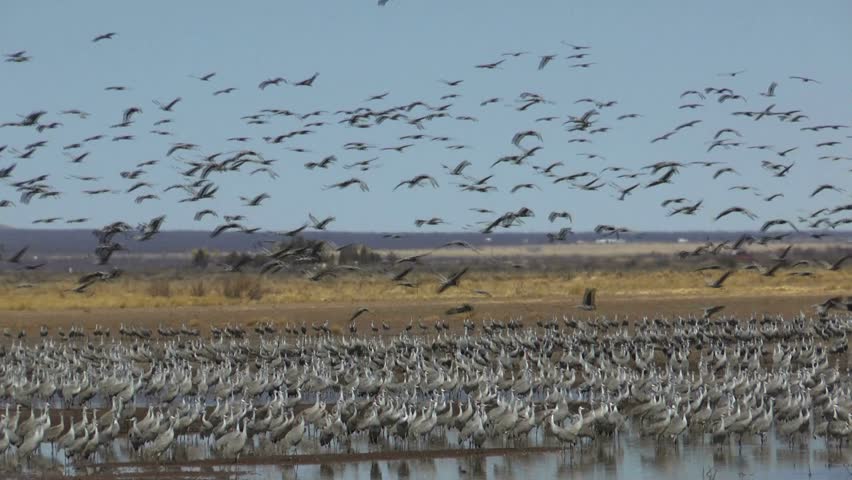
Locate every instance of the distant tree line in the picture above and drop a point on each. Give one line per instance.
(323, 253)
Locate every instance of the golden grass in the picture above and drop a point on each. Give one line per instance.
(138, 291)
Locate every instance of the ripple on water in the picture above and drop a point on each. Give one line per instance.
(628, 458)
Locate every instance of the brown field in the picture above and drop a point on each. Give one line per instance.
(632, 279)
(396, 313)
(180, 289)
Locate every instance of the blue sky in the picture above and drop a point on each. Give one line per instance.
(644, 57)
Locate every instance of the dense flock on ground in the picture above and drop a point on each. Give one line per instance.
(565, 381)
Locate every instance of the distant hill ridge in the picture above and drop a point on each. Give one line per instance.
(81, 241)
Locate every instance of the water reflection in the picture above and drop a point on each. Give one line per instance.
(628, 458)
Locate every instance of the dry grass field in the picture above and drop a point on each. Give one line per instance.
(395, 313)
(635, 279)
(505, 273)
(166, 290)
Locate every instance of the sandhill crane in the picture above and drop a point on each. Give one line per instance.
(162, 442)
(5, 443)
(54, 433)
(77, 444)
(717, 283)
(68, 438)
(451, 281)
(567, 435)
(731, 210)
(472, 430)
(418, 180)
(232, 444)
(709, 311)
(92, 445)
(30, 443)
(295, 435)
(763, 422)
(834, 266)
(588, 301)
(677, 426)
(720, 433)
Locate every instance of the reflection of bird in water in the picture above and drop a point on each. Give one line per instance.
(403, 470)
(375, 471)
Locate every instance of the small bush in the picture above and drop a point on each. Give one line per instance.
(255, 291)
(200, 259)
(242, 286)
(159, 288)
(197, 289)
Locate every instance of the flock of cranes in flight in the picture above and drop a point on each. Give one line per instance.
(201, 175)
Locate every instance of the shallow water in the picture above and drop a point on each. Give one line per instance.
(628, 458)
(597, 462)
